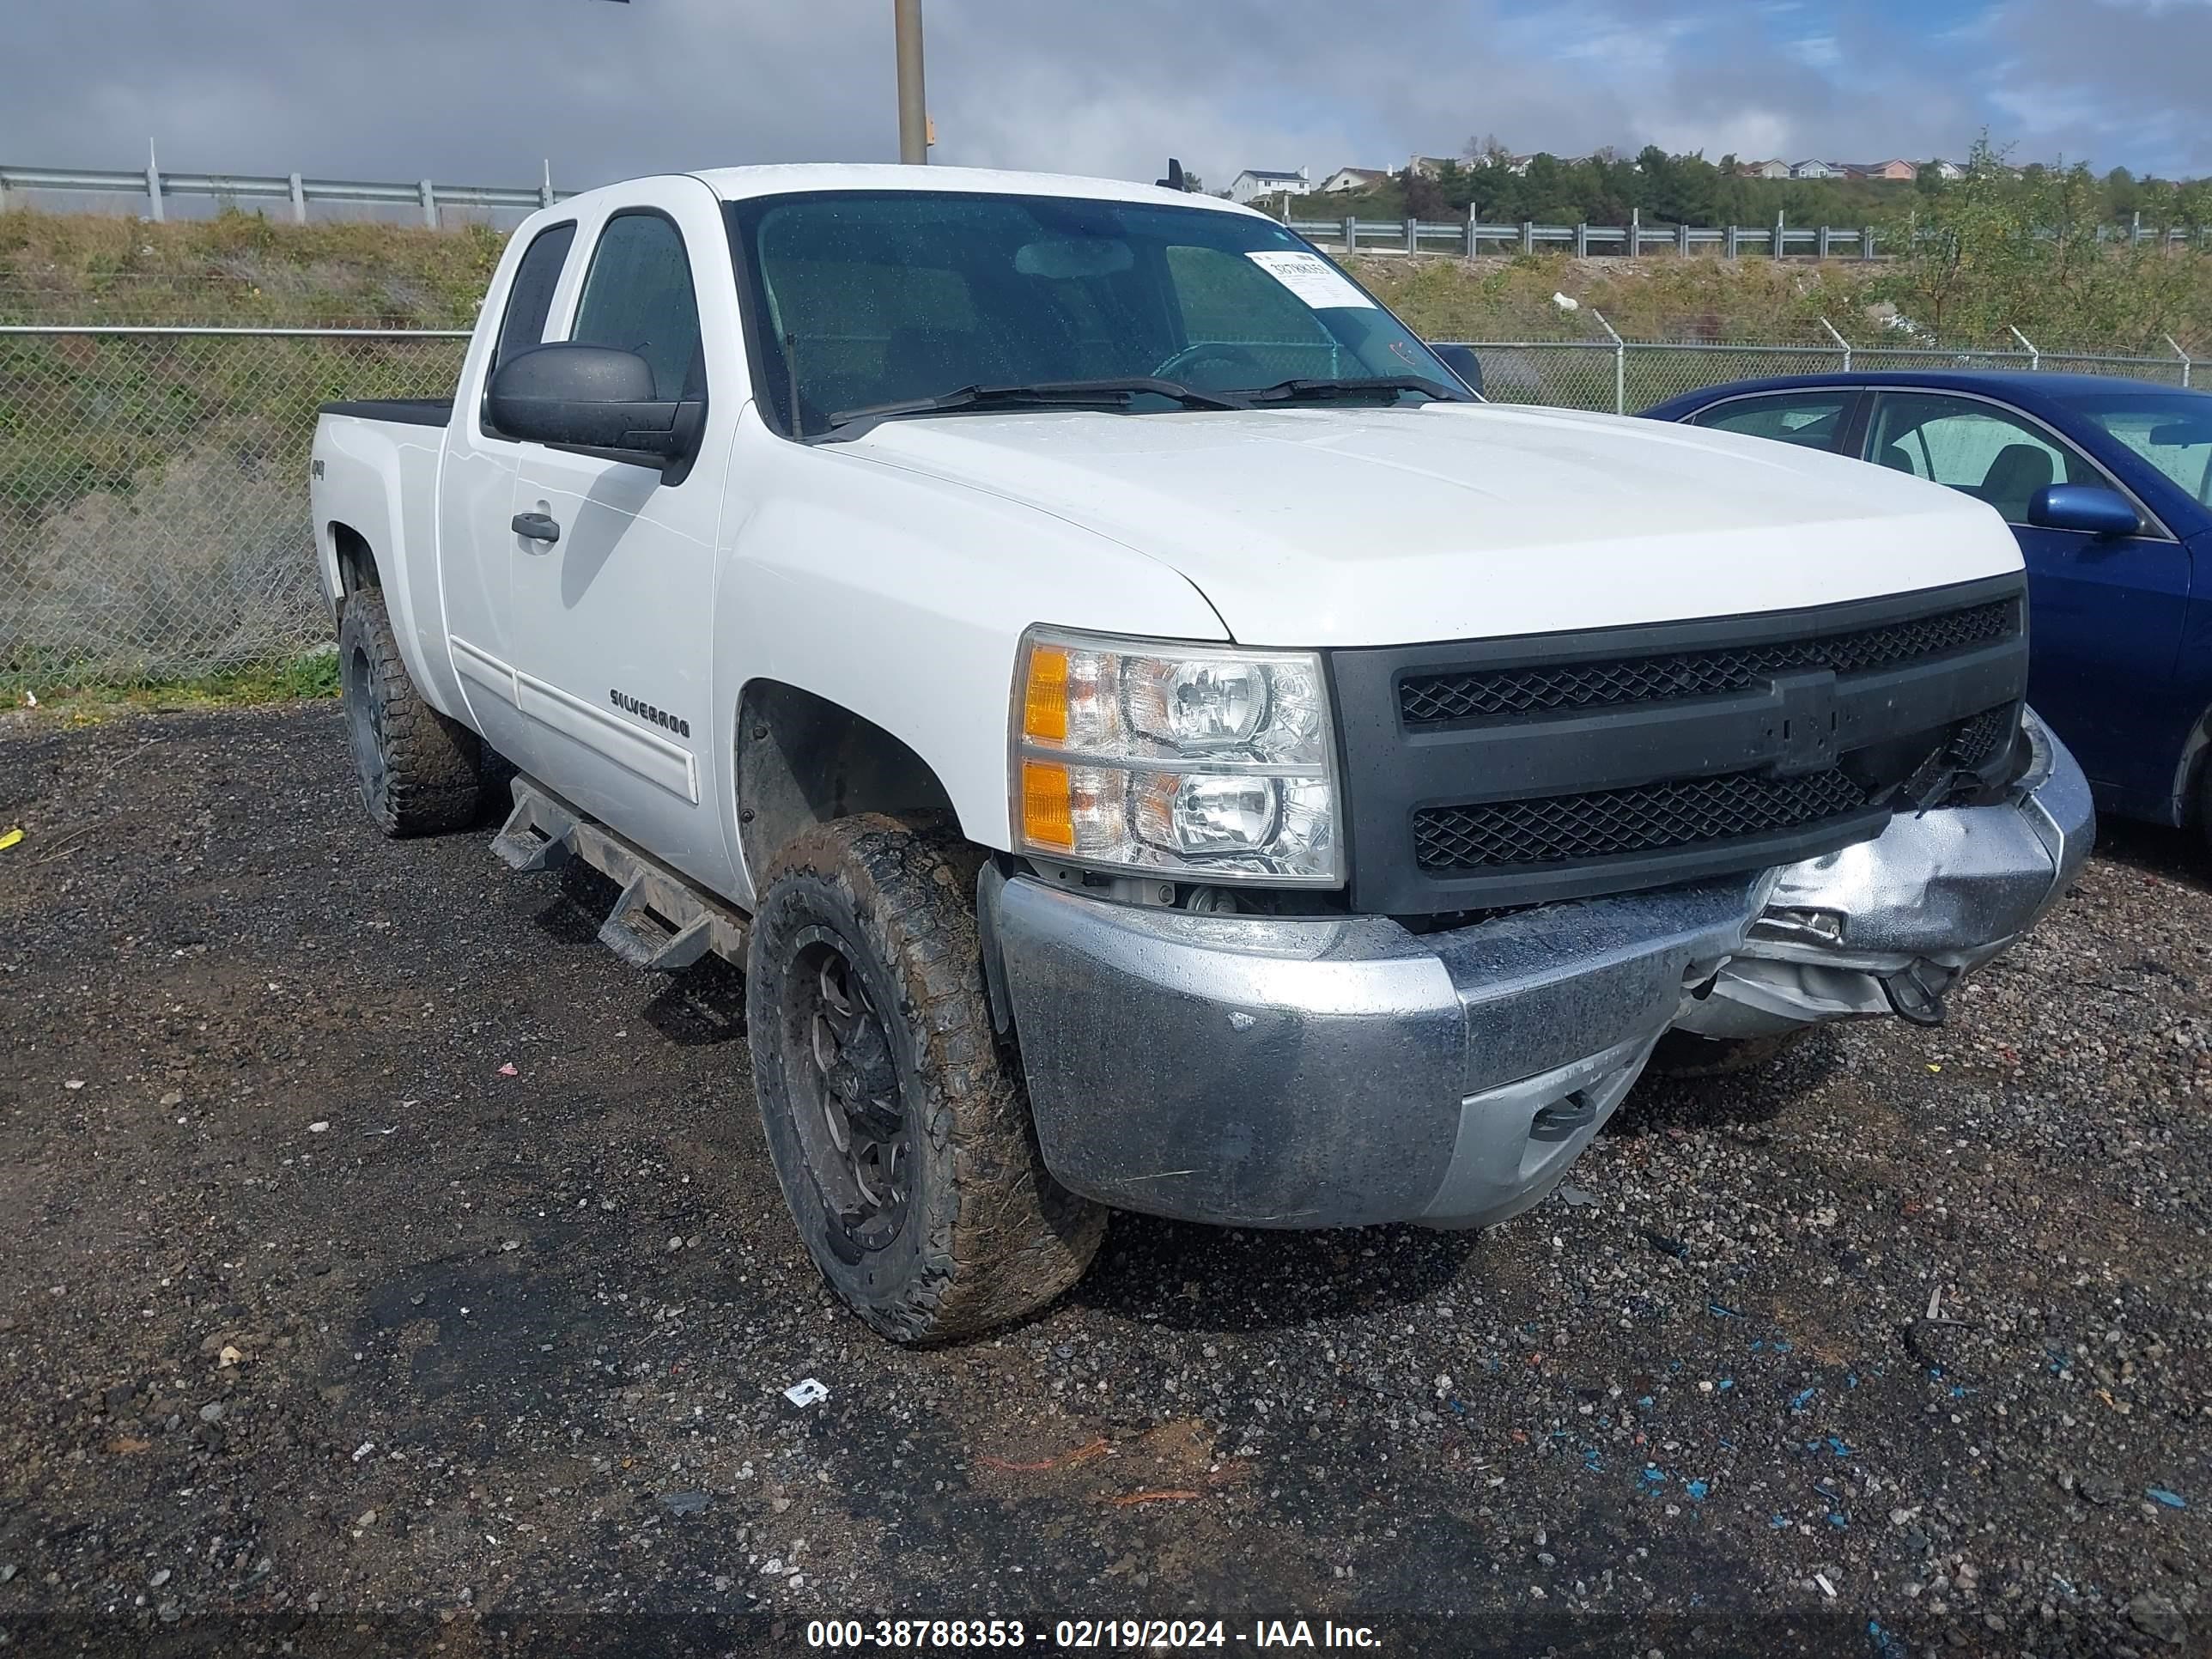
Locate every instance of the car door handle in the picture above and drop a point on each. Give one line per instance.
(537, 527)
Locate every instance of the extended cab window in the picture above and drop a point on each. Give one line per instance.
(1815, 420)
(863, 298)
(1979, 449)
(639, 297)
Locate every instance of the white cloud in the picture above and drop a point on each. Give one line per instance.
(481, 91)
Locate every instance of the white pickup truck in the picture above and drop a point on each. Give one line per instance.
(1151, 735)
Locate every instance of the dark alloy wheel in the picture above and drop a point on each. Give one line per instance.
(895, 1116)
(846, 1099)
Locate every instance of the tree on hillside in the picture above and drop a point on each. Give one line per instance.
(1989, 252)
(1426, 198)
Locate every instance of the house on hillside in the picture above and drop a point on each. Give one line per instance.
(1775, 169)
(1898, 171)
(1946, 170)
(1255, 182)
(1353, 178)
(1516, 165)
(1815, 170)
(1429, 167)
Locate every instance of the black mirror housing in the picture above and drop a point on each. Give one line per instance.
(2093, 509)
(1462, 362)
(592, 397)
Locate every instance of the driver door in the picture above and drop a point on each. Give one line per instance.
(615, 642)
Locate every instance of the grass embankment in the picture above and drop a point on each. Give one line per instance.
(241, 269)
(2123, 304)
(153, 517)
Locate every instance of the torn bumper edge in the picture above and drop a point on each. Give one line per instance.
(1337, 1072)
(1893, 924)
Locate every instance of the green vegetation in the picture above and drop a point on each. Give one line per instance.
(1605, 188)
(282, 679)
(1977, 257)
(241, 269)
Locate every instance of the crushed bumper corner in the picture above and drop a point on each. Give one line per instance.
(1892, 925)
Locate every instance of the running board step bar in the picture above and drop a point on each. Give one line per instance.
(661, 922)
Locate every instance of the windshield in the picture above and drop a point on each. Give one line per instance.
(865, 298)
(2171, 430)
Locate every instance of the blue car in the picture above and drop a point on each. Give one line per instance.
(2108, 485)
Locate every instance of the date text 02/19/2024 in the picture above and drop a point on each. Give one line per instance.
(1078, 1634)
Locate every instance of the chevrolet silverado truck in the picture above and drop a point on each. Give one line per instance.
(1152, 737)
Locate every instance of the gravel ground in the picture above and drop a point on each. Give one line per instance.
(386, 1267)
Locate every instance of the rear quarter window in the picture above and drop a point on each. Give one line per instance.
(1810, 420)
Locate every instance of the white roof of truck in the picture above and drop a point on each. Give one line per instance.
(737, 184)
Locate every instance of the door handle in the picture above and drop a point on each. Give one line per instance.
(537, 527)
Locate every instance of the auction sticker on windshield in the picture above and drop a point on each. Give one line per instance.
(1313, 279)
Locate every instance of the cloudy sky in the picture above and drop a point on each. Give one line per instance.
(479, 90)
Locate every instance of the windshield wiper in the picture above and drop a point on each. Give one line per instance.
(1118, 393)
(1372, 386)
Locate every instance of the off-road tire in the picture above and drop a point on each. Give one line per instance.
(1686, 1055)
(420, 774)
(986, 1236)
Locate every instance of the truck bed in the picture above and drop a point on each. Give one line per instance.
(406, 411)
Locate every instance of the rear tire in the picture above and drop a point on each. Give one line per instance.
(1686, 1055)
(897, 1121)
(420, 773)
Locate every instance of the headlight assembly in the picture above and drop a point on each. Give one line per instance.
(1207, 762)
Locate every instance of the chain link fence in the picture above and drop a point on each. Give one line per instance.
(1628, 376)
(154, 494)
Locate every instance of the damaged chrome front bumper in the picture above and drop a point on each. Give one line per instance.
(1337, 1072)
(1891, 924)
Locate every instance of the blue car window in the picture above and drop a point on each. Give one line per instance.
(2171, 430)
(1813, 420)
(1974, 447)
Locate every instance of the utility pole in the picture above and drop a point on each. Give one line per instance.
(913, 107)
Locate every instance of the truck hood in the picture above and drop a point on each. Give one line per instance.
(1385, 526)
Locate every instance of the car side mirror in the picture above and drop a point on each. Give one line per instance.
(1462, 362)
(2091, 508)
(592, 397)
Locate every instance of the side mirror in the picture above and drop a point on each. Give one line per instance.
(1462, 362)
(2090, 508)
(590, 397)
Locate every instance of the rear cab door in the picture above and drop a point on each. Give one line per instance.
(476, 542)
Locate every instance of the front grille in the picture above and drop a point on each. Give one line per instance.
(1976, 743)
(1435, 699)
(1484, 774)
(1612, 821)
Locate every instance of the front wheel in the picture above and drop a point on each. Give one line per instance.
(897, 1123)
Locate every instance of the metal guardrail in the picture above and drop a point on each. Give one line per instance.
(157, 186)
(153, 480)
(1467, 236)
(1471, 236)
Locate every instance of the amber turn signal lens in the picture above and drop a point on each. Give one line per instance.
(1044, 702)
(1047, 804)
